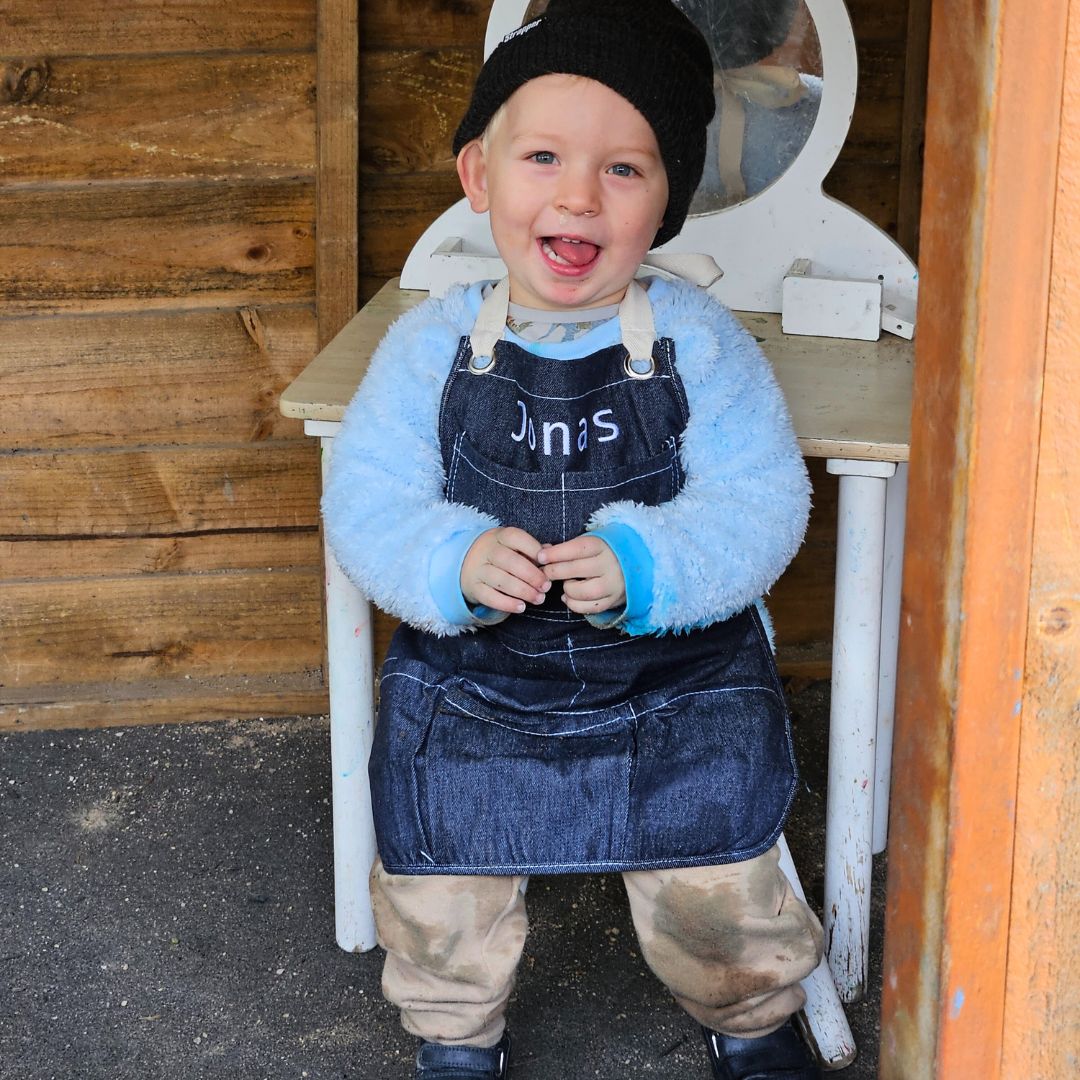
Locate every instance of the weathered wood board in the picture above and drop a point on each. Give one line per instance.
(93, 28)
(176, 245)
(131, 379)
(159, 491)
(160, 625)
(423, 24)
(414, 100)
(159, 701)
(269, 549)
(158, 117)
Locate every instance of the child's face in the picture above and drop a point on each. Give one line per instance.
(572, 176)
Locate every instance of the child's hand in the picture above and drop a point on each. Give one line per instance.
(593, 580)
(500, 571)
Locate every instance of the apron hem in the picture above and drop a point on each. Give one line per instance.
(611, 866)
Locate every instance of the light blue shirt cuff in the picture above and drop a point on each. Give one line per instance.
(444, 581)
(636, 563)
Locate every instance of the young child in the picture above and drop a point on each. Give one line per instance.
(573, 489)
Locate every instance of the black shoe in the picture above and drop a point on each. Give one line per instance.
(781, 1055)
(437, 1062)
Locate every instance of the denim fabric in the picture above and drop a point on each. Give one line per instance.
(545, 744)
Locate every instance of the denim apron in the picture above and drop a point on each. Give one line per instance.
(545, 744)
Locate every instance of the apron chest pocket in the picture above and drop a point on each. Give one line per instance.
(555, 505)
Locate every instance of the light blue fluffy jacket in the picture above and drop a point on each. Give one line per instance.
(716, 547)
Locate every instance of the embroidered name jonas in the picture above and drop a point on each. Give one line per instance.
(555, 435)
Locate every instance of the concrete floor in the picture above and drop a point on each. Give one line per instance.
(167, 915)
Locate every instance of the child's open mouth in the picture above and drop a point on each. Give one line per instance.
(569, 253)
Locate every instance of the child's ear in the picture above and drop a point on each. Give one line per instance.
(472, 171)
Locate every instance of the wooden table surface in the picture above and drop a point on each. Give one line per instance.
(848, 399)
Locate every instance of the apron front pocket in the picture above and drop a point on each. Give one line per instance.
(714, 775)
(497, 796)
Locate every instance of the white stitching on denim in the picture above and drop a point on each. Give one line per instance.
(572, 397)
(535, 734)
(406, 675)
(581, 648)
(553, 490)
(554, 618)
(457, 455)
(562, 487)
(721, 690)
(573, 668)
(614, 865)
(552, 712)
(668, 348)
(585, 712)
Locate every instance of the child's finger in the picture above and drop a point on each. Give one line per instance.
(492, 598)
(510, 585)
(591, 607)
(520, 567)
(588, 589)
(590, 567)
(580, 547)
(519, 540)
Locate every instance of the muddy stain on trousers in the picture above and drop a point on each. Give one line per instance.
(730, 942)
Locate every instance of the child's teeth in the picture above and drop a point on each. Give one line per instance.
(552, 254)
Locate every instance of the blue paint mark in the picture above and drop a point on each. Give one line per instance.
(957, 1003)
(1016, 708)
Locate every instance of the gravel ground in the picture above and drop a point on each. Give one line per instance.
(167, 915)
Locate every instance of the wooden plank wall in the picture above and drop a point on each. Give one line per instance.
(159, 549)
(419, 60)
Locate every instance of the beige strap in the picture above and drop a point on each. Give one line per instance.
(638, 331)
(730, 137)
(635, 313)
(769, 85)
(697, 269)
(489, 328)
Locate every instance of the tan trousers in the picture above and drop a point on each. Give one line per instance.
(730, 942)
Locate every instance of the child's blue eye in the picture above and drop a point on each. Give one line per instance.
(623, 170)
(543, 157)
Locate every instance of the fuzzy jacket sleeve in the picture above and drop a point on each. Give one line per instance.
(384, 509)
(722, 542)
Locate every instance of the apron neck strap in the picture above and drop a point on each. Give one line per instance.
(638, 332)
(489, 328)
(635, 321)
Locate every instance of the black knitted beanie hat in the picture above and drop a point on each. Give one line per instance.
(647, 51)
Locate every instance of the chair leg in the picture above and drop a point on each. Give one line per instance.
(829, 1032)
(352, 728)
(895, 510)
(849, 824)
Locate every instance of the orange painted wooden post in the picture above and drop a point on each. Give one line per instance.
(992, 130)
(1042, 989)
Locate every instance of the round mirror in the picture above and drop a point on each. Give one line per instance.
(767, 77)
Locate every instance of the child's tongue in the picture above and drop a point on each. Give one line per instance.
(577, 254)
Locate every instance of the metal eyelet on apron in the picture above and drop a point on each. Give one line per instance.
(642, 368)
(481, 365)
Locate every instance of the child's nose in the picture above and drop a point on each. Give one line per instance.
(577, 194)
